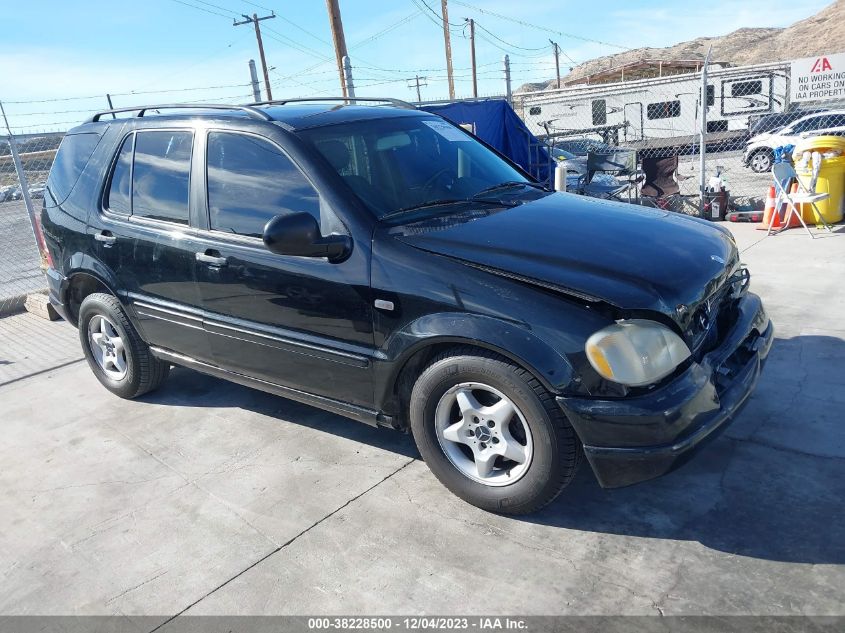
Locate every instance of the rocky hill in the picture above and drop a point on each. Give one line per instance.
(816, 35)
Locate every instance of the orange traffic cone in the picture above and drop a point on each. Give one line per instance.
(799, 209)
(768, 210)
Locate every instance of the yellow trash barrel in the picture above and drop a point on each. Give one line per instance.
(831, 179)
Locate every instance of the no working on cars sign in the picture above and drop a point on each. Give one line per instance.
(818, 78)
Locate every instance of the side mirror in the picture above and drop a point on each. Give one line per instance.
(298, 234)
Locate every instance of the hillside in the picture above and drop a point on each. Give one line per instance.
(816, 35)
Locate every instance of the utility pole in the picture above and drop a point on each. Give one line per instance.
(339, 40)
(253, 78)
(417, 85)
(347, 76)
(255, 20)
(448, 40)
(508, 93)
(472, 56)
(557, 61)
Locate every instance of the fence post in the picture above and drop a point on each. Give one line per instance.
(508, 93)
(347, 74)
(702, 148)
(253, 78)
(24, 184)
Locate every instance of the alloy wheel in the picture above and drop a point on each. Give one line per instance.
(760, 162)
(484, 434)
(107, 347)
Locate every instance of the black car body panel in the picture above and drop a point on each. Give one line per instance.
(531, 278)
(556, 240)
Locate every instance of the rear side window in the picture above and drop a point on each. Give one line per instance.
(161, 175)
(250, 180)
(72, 156)
(120, 191)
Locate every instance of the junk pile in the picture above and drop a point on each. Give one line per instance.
(820, 168)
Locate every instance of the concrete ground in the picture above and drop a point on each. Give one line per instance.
(210, 498)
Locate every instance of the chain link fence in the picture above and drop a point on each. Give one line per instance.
(659, 133)
(20, 261)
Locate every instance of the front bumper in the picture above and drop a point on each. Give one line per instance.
(630, 440)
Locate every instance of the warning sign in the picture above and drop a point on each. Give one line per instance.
(818, 78)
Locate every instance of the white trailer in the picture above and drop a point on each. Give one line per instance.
(635, 112)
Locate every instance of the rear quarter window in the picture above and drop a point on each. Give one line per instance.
(71, 158)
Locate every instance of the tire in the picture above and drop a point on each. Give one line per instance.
(761, 161)
(121, 361)
(548, 446)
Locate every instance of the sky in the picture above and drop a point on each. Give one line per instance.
(59, 58)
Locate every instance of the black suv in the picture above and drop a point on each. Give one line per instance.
(384, 264)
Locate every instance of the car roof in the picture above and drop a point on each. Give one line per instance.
(302, 116)
(296, 115)
(821, 113)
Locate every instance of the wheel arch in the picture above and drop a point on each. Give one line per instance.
(407, 353)
(83, 281)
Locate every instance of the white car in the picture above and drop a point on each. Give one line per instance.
(759, 152)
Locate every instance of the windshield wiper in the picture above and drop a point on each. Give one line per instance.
(436, 203)
(509, 184)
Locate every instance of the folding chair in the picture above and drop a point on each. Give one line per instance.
(621, 163)
(661, 186)
(784, 175)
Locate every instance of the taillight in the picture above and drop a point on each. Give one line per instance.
(46, 258)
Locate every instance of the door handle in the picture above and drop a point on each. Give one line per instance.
(105, 236)
(212, 257)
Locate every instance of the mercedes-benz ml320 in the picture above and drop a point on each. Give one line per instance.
(384, 264)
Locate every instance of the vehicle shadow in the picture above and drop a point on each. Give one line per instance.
(771, 487)
(188, 388)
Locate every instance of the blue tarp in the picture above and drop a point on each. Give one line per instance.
(495, 123)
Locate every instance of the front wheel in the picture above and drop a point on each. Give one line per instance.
(761, 161)
(491, 433)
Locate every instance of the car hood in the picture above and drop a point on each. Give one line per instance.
(631, 257)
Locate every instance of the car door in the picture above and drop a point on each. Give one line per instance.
(143, 237)
(301, 322)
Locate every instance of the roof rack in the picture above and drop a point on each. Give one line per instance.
(396, 102)
(252, 112)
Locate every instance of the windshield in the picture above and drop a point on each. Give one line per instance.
(407, 163)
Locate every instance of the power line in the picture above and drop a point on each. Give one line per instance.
(511, 52)
(127, 94)
(216, 6)
(304, 30)
(193, 6)
(255, 4)
(386, 30)
(541, 28)
(359, 44)
(523, 48)
(438, 17)
(284, 39)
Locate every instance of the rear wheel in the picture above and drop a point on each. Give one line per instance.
(761, 161)
(491, 433)
(121, 361)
